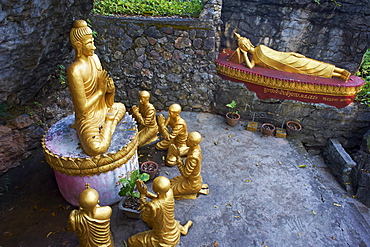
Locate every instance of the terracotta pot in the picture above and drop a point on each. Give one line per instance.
(267, 129)
(149, 167)
(232, 118)
(292, 128)
(131, 213)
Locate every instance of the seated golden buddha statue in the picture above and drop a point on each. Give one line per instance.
(91, 222)
(177, 135)
(266, 57)
(159, 214)
(146, 116)
(189, 184)
(92, 90)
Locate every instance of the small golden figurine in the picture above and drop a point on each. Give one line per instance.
(266, 57)
(177, 136)
(159, 215)
(145, 114)
(92, 90)
(91, 222)
(189, 184)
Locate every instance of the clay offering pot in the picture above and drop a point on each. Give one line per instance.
(149, 167)
(267, 129)
(232, 118)
(292, 128)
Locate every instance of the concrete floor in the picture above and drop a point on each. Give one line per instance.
(258, 197)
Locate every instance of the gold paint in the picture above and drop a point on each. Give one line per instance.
(91, 222)
(159, 214)
(92, 90)
(189, 184)
(145, 115)
(291, 85)
(266, 57)
(91, 166)
(177, 136)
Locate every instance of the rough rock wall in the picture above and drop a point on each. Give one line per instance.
(173, 58)
(33, 41)
(335, 34)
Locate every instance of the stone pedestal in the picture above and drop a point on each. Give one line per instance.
(73, 168)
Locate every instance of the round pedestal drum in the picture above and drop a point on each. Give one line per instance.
(73, 168)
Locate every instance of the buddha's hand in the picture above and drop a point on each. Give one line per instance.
(110, 85)
(103, 81)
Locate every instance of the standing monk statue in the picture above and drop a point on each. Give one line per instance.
(92, 90)
(177, 136)
(266, 57)
(159, 214)
(145, 114)
(91, 222)
(189, 184)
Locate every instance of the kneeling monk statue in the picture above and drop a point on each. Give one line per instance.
(145, 114)
(91, 222)
(266, 57)
(189, 184)
(159, 214)
(92, 90)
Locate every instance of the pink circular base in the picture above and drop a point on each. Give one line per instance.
(106, 183)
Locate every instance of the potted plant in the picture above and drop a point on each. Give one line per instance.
(267, 129)
(293, 127)
(130, 203)
(232, 117)
(149, 167)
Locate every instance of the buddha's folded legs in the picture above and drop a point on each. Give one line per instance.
(96, 140)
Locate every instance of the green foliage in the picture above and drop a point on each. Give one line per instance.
(232, 106)
(128, 185)
(189, 8)
(334, 1)
(94, 33)
(61, 72)
(37, 103)
(363, 97)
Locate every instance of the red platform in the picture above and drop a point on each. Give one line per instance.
(268, 83)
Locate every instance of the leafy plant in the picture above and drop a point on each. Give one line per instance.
(363, 97)
(335, 1)
(128, 185)
(61, 71)
(232, 106)
(190, 8)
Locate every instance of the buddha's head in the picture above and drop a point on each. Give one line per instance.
(244, 43)
(144, 97)
(88, 198)
(81, 38)
(194, 138)
(161, 185)
(174, 110)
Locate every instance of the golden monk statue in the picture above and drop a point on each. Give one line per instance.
(159, 214)
(91, 222)
(189, 184)
(145, 114)
(96, 114)
(177, 136)
(266, 57)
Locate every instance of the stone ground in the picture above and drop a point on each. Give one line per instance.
(258, 197)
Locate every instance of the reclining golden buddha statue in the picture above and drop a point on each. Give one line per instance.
(266, 57)
(92, 90)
